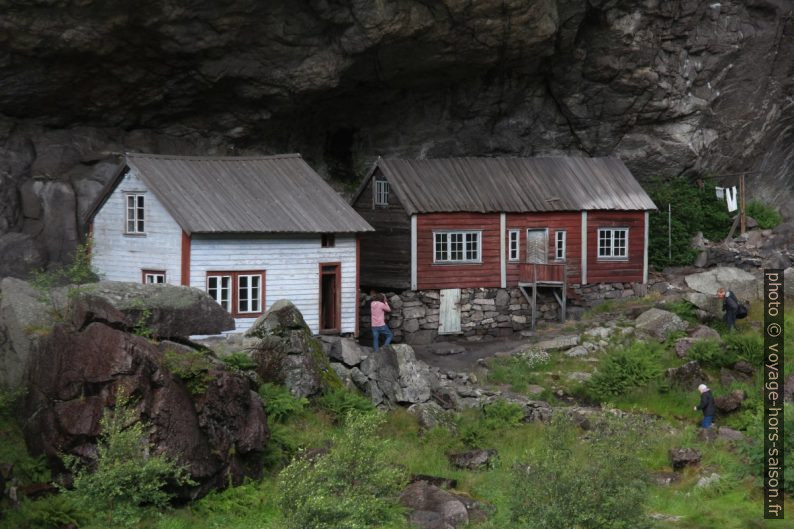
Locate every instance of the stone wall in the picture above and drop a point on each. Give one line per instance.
(486, 313)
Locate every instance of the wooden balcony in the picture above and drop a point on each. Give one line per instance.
(548, 274)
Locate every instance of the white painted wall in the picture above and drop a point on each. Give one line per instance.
(292, 267)
(120, 257)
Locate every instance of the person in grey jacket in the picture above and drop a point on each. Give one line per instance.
(730, 304)
(708, 406)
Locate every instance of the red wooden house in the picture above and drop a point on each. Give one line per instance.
(502, 223)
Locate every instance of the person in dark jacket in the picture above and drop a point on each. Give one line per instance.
(707, 405)
(730, 304)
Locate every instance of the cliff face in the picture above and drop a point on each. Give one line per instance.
(670, 86)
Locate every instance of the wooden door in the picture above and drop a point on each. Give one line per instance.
(330, 286)
(449, 313)
(537, 246)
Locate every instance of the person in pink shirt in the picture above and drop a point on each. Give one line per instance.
(378, 308)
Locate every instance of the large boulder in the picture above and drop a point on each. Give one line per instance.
(688, 376)
(431, 507)
(202, 414)
(164, 310)
(285, 351)
(683, 457)
(744, 284)
(397, 377)
(19, 254)
(659, 323)
(24, 319)
(730, 402)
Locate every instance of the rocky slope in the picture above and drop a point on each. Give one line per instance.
(669, 86)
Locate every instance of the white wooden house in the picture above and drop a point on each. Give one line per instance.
(247, 230)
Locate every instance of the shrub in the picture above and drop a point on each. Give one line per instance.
(352, 486)
(340, 402)
(239, 360)
(501, 413)
(711, 353)
(694, 209)
(748, 347)
(598, 483)
(50, 512)
(192, 366)
(475, 427)
(280, 403)
(625, 368)
(533, 357)
(767, 216)
(128, 475)
(754, 451)
(684, 309)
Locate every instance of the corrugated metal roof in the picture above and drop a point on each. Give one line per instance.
(514, 184)
(246, 194)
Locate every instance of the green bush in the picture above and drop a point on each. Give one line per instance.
(754, 451)
(625, 368)
(352, 486)
(598, 483)
(694, 209)
(766, 216)
(711, 353)
(280, 403)
(501, 414)
(684, 309)
(50, 512)
(340, 402)
(192, 366)
(239, 360)
(748, 347)
(128, 476)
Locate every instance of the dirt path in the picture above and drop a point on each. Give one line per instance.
(473, 351)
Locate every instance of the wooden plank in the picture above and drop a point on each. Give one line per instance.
(584, 235)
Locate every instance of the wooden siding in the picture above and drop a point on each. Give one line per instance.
(437, 276)
(611, 271)
(120, 257)
(292, 270)
(569, 221)
(386, 252)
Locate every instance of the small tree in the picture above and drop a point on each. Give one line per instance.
(127, 476)
(596, 483)
(353, 486)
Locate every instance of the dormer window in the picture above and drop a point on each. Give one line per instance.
(134, 218)
(381, 192)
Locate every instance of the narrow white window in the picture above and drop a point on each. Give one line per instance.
(560, 242)
(153, 277)
(219, 289)
(381, 193)
(613, 243)
(513, 238)
(457, 247)
(134, 217)
(249, 298)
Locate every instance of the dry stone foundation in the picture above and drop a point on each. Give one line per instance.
(485, 313)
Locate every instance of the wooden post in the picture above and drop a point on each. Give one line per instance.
(534, 293)
(742, 214)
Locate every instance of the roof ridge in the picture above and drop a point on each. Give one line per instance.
(212, 158)
(554, 157)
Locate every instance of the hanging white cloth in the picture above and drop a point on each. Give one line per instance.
(720, 192)
(731, 199)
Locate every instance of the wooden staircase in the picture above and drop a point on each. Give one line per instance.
(544, 275)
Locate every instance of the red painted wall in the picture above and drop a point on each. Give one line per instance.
(569, 221)
(603, 271)
(432, 276)
(487, 274)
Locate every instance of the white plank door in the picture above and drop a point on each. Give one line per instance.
(449, 314)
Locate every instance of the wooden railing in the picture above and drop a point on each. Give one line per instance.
(551, 272)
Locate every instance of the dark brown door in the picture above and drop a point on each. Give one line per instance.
(330, 286)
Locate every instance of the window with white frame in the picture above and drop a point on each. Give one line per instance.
(513, 238)
(456, 247)
(219, 289)
(134, 217)
(154, 277)
(381, 190)
(560, 238)
(613, 243)
(240, 293)
(248, 293)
